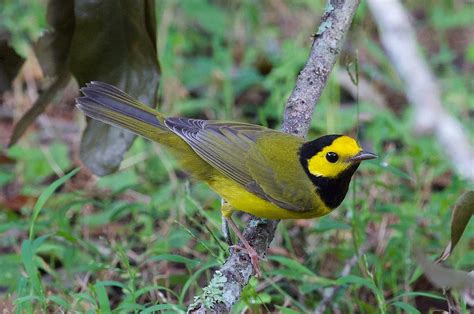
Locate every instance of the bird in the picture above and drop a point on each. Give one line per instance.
(257, 170)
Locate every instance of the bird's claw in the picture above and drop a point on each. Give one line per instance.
(254, 257)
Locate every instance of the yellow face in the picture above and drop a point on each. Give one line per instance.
(334, 158)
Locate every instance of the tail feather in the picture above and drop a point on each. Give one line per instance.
(110, 105)
(114, 92)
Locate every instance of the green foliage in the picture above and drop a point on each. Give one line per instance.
(45, 195)
(30, 247)
(35, 163)
(24, 20)
(145, 239)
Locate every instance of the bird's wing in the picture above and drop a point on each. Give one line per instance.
(252, 156)
(276, 166)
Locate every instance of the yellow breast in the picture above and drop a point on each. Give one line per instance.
(243, 200)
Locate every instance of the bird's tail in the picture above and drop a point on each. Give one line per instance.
(109, 104)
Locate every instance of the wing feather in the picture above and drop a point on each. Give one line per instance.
(251, 155)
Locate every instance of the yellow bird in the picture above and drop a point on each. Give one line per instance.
(264, 172)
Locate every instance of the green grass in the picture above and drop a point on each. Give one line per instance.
(146, 239)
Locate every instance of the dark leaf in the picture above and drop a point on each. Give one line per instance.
(462, 213)
(114, 42)
(10, 63)
(52, 49)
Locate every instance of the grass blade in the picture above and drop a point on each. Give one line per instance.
(45, 196)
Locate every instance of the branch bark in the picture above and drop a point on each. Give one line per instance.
(310, 84)
(399, 40)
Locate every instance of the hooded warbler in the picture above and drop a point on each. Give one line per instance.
(264, 172)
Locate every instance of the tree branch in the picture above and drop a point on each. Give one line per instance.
(399, 40)
(310, 84)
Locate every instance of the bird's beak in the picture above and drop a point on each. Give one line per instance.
(363, 155)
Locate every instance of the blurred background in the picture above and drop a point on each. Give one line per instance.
(146, 235)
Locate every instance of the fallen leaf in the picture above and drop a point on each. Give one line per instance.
(121, 52)
(5, 160)
(17, 202)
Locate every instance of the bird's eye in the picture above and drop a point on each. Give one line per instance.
(332, 157)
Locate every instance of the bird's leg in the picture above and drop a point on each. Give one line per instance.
(254, 257)
(225, 225)
(227, 210)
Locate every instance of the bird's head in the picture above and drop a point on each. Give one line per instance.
(330, 161)
(331, 155)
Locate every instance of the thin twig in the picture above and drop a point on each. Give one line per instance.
(310, 84)
(452, 305)
(422, 90)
